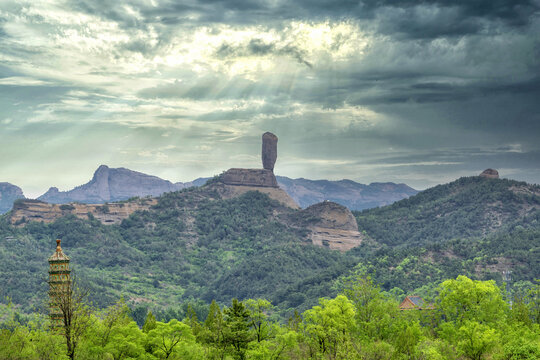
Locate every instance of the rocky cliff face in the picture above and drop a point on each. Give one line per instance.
(8, 194)
(331, 225)
(112, 185)
(28, 210)
(249, 177)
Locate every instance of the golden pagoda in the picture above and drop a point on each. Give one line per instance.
(59, 283)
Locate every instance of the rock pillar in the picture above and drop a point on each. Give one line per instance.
(269, 150)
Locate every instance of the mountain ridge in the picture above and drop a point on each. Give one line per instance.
(118, 184)
(467, 207)
(305, 192)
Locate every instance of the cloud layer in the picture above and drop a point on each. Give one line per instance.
(411, 91)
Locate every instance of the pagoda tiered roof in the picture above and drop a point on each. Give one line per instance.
(58, 254)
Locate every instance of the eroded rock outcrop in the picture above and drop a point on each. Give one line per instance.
(236, 181)
(269, 150)
(332, 225)
(249, 177)
(490, 174)
(28, 210)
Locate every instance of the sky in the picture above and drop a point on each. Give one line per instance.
(415, 92)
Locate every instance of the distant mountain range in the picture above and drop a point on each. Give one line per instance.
(116, 184)
(112, 185)
(348, 193)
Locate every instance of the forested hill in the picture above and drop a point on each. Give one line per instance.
(193, 246)
(468, 207)
(190, 246)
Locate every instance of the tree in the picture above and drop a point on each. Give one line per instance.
(212, 331)
(113, 317)
(373, 311)
(72, 303)
(472, 312)
(192, 320)
(149, 323)
(464, 299)
(257, 319)
(126, 342)
(476, 339)
(329, 326)
(236, 331)
(166, 338)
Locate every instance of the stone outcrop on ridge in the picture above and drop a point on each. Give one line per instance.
(331, 225)
(236, 181)
(26, 210)
(490, 174)
(249, 177)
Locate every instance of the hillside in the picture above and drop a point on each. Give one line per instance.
(194, 245)
(468, 207)
(189, 245)
(8, 194)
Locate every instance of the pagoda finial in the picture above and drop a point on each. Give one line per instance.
(58, 248)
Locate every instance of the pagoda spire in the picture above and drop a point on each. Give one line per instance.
(59, 283)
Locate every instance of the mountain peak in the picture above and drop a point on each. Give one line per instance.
(8, 194)
(112, 184)
(101, 168)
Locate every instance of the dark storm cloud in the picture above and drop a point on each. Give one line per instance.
(258, 47)
(412, 88)
(416, 19)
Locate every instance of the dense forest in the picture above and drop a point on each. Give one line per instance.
(468, 320)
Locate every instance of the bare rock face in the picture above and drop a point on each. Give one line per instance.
(332, 215)
(332, 225)
(249, 177)
(27, 210)
(490, 174)
(269, 150)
